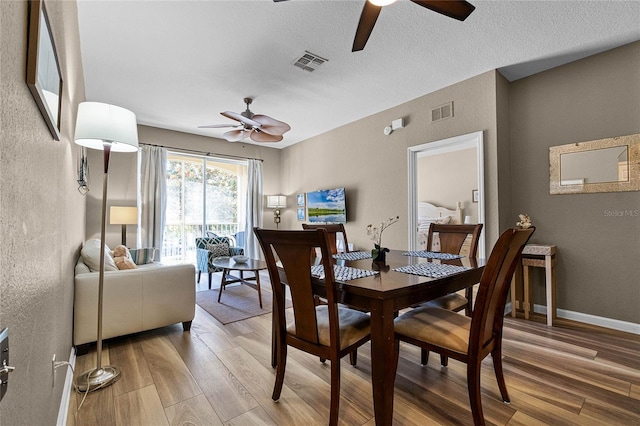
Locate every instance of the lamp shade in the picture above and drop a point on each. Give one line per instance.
(123, 215)
(98, 122)
(276, 201)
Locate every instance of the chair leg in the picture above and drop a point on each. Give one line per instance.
(473, 383)
(282, 363)
(335, 393)
(444, 360)
(199, 273)
(496, 355)
(323, 360)
(353, 357)
(209, 274)
(469, 307)
(424, 357)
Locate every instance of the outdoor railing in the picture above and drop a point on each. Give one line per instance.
(179, 242)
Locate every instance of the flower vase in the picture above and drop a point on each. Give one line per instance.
(379, 255)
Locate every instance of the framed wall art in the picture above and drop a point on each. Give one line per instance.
(43, 70)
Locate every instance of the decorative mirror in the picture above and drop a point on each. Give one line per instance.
(604, 165)
(43, 71)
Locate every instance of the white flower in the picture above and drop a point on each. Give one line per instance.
(375, 232)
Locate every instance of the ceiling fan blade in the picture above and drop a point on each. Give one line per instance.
(368, 19)
(218, 126)
(456, 9)
(258, 136)
(271, 125)
(235, 135)
(241, 118)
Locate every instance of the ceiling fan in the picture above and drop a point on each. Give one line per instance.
(258, 127)
(457, 9)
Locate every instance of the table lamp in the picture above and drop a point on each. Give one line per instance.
(107, 128)
(276, 202)
(119, 215)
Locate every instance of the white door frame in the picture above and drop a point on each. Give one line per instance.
(456, 143)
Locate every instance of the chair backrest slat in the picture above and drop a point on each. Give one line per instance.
(295, 251)
(488, 315)
(452, 237)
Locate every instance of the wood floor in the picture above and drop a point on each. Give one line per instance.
(221, 375)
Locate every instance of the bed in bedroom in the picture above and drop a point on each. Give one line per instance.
(428, 214)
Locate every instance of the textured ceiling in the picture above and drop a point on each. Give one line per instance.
(178, 64)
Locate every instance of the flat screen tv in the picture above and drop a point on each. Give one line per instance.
(327, 206)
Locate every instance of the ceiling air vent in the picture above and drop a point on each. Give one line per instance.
(441, 112)
(309, 61)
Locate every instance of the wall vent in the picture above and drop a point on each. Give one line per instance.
(309, 61)
(442, 112)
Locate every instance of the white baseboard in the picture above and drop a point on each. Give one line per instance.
(63, 411)
(628, 327)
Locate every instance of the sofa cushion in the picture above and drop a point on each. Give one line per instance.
(91, 255)
(142, 256)
(218, 250)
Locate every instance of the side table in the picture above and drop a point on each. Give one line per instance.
(252, 265)
(537, 256)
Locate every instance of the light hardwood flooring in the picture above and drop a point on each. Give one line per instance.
(221, 375)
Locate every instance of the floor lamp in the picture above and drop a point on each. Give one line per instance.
(107, 128)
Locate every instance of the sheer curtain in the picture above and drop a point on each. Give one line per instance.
(254, 209)
(152, 199)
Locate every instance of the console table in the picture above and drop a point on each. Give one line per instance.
(537, 256)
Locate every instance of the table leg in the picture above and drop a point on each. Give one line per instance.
(223, 282)
(550, 281)
(382, 357)
(526, 273)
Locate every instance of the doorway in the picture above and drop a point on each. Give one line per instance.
(448, 147)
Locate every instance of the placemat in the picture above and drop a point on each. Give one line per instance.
(432, 270)
(432, 255)
(353, 255)
(342, 273)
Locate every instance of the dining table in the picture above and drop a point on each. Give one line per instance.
(387, 292)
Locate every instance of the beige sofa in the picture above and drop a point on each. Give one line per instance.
(152, 296)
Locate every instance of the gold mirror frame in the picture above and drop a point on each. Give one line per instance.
(632, 184)
(43, 70)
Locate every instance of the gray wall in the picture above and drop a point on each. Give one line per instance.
(595, 98)
(41, 217)
(373, 167)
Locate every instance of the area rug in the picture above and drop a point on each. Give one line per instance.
(238, 302)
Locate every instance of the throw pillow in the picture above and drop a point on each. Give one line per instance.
(91, 255)
(218, 250)
(143, 256)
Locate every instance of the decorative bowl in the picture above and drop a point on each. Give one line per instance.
(239, 258)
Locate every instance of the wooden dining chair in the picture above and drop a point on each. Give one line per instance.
(452, 239)
(329, 331)
(333, 229)
(465, 339)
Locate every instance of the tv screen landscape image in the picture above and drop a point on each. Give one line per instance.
(327, 206)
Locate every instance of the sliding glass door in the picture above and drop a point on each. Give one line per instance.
(204, 195)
